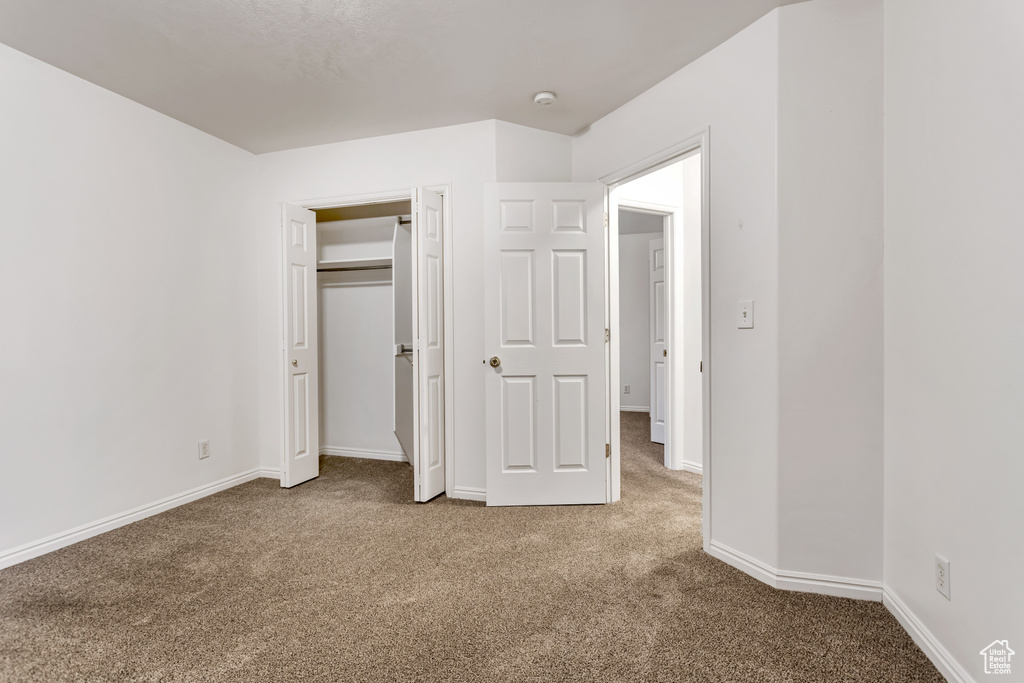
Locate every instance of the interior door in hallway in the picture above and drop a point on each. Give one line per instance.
(428, 378)
(544, 335)
(656, 270)
(301, 366)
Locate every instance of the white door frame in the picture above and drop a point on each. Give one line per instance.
(384, 197)
(698, 143)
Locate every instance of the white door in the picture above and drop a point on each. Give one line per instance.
(428, 379)
(544, 334)
(656, 270)
(301, 372)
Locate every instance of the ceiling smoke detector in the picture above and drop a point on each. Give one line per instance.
(544, 98)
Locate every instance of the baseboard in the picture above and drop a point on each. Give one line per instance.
(690, 467)
(393, 456)
(269, 473)
(468, 493)
(929, 644)
(746, 564)
(837, 586)
(635, 409)
(80, 533)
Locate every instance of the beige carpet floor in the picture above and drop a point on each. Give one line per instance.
(344, 579)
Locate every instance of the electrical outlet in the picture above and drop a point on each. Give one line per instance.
(625, 389)
(204, 449)
(942, 575)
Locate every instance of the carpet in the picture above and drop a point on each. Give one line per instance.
(344, 578)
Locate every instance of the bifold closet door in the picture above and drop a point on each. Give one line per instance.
(301, 368)
(402, 290)
(428, 459)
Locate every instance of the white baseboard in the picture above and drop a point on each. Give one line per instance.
(269, 473)
(849, 588)
(394, 456)
(689, 467)
(80, 533)
(929, 644)
(635, 409)
(468, 493)
(837, 586)
(746, 564)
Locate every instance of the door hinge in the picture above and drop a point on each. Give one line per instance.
(607, 335)
(607, 450)
(606, 220)
(702, 366)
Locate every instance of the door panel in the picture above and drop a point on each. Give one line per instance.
(428, 456)
(656, 269)
(302, 421)
(544, 322)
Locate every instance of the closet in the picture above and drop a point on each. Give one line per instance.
(365, 330)
(363, 335)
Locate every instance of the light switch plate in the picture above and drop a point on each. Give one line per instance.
(745, 314)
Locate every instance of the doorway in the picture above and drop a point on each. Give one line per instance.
(642, 324)
(365, 292)
(659, 213)
(673, 185)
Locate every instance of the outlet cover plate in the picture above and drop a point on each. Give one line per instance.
(204, 449)
(942, 575)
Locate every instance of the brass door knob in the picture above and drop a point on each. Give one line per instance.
(295, 363)
(495, 361)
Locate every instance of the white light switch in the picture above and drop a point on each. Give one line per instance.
(745, 315)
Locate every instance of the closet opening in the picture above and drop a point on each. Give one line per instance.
(364, 326)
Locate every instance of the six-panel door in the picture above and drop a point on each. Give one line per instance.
(545, 324)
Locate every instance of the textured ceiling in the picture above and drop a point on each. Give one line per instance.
(276, 74)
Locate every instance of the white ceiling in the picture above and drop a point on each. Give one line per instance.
(277, 74)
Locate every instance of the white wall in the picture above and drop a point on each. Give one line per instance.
(794, 109)
(127, 280)
(355, 238)
(635, 318)
(830, 288)
(524, 154)
(954, 319)
(732, 89)
(357, 366)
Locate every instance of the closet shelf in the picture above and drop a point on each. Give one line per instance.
(354, 264)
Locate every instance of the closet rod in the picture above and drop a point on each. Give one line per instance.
(332, 270)
(402, 221)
